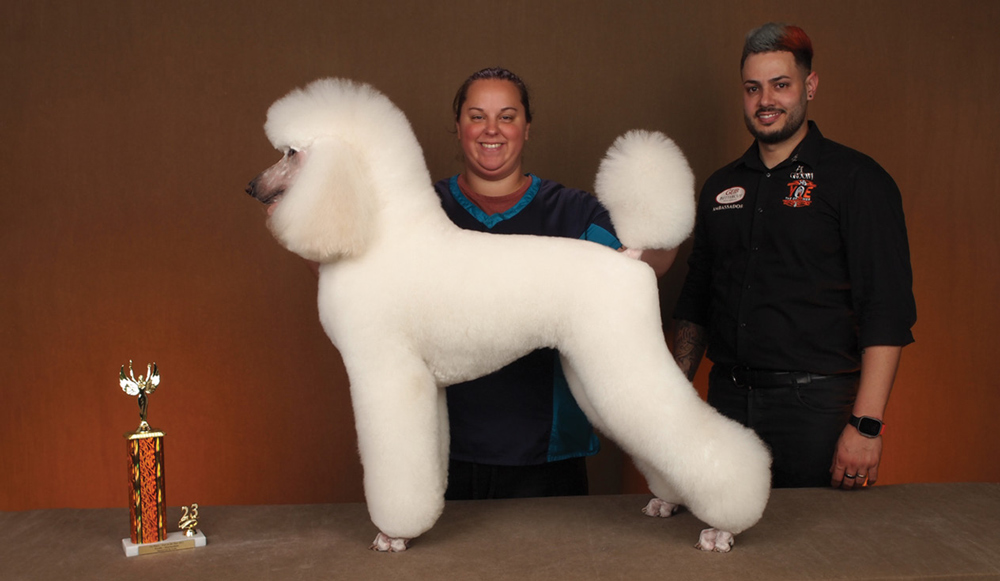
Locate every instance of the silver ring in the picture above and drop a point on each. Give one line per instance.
(862, 475)
(846, 475)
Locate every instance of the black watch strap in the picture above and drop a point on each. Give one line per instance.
(869, 427)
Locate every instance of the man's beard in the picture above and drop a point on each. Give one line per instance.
(793, 121)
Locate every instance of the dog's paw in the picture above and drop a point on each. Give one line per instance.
(660, 508)
(715, 540)
(383, 543)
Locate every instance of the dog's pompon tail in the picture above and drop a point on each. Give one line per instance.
(647, 186)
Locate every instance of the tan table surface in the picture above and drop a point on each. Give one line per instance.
(911, 531)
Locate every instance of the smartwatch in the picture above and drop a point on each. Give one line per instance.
(868, 427)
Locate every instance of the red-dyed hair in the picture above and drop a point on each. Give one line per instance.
(773, 37)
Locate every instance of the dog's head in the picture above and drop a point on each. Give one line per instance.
(333, 134)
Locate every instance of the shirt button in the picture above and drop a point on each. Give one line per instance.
(760, 210)
(768, 174)
(743, 325)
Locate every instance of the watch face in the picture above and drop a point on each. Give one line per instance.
(869, 426)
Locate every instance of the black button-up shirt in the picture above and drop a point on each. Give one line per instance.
(801, 266)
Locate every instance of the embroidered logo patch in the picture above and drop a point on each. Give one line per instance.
(799, 193)
(730, 196)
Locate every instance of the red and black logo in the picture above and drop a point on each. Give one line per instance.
(799, 193)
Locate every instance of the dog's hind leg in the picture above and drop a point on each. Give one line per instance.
(689, 452)
(397, 413)
(657, 507)
(667, 501)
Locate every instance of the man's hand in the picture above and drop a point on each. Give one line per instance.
(856, 460)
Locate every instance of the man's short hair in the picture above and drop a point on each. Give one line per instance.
(775, 36)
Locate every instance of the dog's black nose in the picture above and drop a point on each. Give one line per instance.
(252, 188)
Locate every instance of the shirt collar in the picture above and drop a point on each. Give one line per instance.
(806, 153)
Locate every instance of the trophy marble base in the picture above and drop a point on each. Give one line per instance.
(176, 541)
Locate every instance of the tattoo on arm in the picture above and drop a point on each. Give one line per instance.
(690, 341)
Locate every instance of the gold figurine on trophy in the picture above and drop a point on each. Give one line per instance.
(142, 387)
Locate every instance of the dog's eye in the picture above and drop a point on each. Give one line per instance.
(291, 153)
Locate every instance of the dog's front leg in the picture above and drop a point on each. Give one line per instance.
(715, 540)
(386, 544)
(396, 412)
(383, 542)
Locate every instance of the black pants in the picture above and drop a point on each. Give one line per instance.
(471, 481)
(799, 423)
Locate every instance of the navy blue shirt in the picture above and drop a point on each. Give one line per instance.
(524, 414)
(801, 266)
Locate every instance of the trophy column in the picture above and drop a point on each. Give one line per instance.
(146, 487)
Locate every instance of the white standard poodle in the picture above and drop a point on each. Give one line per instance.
(414, 303)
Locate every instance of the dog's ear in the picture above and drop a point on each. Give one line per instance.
(329, 212)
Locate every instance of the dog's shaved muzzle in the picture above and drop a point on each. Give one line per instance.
(261, 194)
(272, 182)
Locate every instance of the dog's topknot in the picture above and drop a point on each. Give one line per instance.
(322, 107)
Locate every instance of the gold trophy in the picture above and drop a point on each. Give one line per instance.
(146, 488)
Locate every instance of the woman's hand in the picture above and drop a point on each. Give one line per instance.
(658, 259)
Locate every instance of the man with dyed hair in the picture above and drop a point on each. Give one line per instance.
(799, 284)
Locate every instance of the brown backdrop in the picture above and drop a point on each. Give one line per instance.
(129, 130)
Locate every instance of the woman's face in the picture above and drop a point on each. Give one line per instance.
(492, 129)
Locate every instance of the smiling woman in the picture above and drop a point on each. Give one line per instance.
(492, 123)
